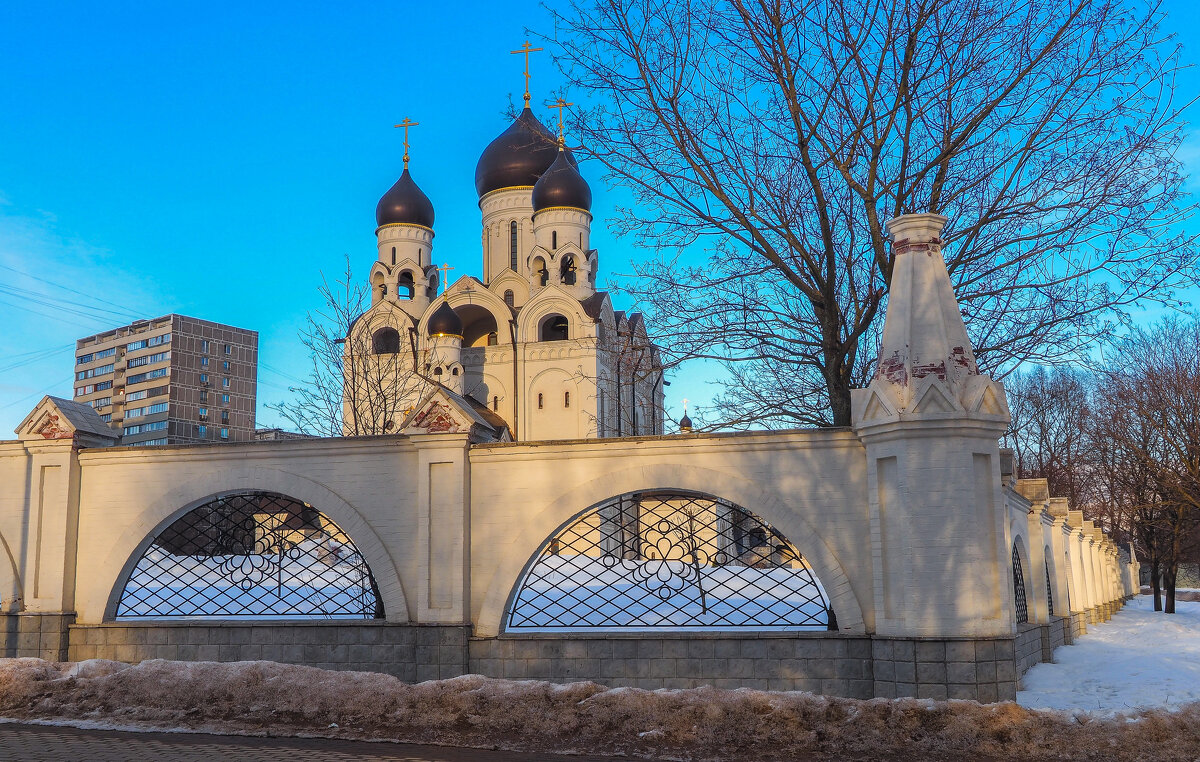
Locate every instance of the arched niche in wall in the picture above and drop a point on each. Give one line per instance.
(554, 327)
(385, 341)
(479, 325)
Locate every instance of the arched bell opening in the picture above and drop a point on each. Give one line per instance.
(385, 341)
(540, 272)
(251, 555)
(554, 327)
(406, 286)
(478, 325)
(667, 560)
(566, 271)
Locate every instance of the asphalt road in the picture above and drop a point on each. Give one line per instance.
(42, 743)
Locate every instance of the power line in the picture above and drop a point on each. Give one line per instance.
(93, 297)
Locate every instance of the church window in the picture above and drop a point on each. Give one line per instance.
(493, 339)
(512, 245)
(437, 371)
(581, 240)
(566, 399)
(495, 403)
(553, 239)
(454, 371)
(510, 298)
(554, 328)
(393, 255)
(540, 400)
(385, 341)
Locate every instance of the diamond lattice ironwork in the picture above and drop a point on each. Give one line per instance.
(667, 560)
(251, 555)
(1019, 587)
(1049, 591)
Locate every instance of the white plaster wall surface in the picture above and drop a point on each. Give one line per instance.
(810, 485)
(365, 485)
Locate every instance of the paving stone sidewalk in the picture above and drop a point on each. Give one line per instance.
(42, 743)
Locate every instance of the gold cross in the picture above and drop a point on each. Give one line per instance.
(445, 270)
(560, 104)
(526, 49)
(685, 401)
(406, 124)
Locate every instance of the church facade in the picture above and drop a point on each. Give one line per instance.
(532, 347)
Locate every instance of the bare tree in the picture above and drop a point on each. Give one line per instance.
(1152, 392)
(779, 136)
(363, 379)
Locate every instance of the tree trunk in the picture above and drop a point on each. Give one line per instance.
(1155, 585)
(1169, 577)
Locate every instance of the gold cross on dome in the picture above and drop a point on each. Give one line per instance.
(560, 104)
(526, 49)
(406, 124)
(445, 271)
(685, 401)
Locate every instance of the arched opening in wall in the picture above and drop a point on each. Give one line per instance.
(406, 287)
(554, 328)
(1049, 586)
(385, 341)
(510, 298)
(393, 255)
(540, 272)
(553, 240)
(665, 560)
(378, 287)
(566, 271)
(1019, 586)
(251, 555)
(478, 324)
(512, 245)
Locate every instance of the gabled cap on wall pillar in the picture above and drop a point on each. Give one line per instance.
(927, 366)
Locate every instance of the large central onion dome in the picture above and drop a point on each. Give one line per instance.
(445, 322)
(562, 185)
(404, 204)
(518, 157)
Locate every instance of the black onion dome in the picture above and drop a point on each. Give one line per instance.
(685, 423)
(518, 157)
(562, 185)
(445, 321)
(404, 203)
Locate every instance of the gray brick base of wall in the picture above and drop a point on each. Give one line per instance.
(855, 666)
(410, 652)
(41, 636)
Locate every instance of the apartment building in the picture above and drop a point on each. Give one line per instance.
(171, 380)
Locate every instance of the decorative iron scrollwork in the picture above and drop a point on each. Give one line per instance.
(1019, 587)
(665, 560)
(251, 555)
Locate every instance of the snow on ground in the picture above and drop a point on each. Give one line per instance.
(1139, 658)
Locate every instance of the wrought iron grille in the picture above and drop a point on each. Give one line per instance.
(1049, 591)
(667, 560)
(251, 555)
(1019, 588)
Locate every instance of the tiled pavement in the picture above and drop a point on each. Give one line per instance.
(41, 743)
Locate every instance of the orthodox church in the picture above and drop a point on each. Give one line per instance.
(531, 350)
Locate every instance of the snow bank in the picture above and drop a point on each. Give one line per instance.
(1140, 658)
(697, 724)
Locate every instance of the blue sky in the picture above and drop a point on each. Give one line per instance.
(212, 159)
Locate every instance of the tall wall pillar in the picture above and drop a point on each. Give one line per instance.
(930, 423)
(443, 527)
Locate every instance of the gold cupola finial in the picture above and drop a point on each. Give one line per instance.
(445, 273)
(406, 124)
(526, 49)
(560, 104)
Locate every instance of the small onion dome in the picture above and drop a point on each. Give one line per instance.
(445, 322)
(405, 204)
(685, 424)
(518, 157)
(562, 185)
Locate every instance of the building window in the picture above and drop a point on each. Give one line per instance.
(139, 377)
(203, 413)
(225, 383)
(228, 349)
(203, 396)
(225, 365)
(138, 362)
(510, 298)
(82, 359)
(203, 362)
(393, 255)
(512, 245)
(224, 433)
(202, 431)
(540, 400)
(224, 416)
(224, 399)
(566, 399)
(204, 345)
(107, 417)
(204, 378)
